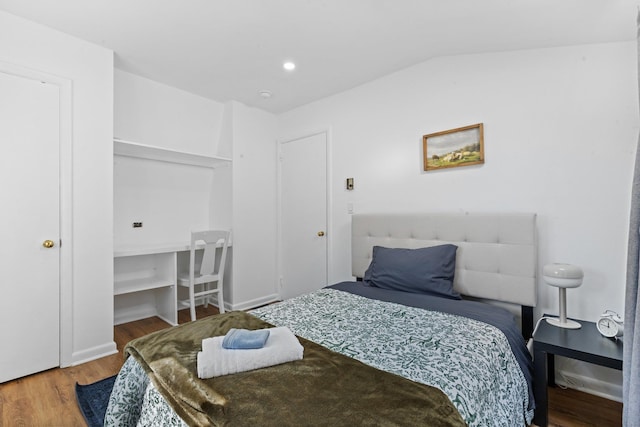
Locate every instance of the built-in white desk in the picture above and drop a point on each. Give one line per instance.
(159, 248)
(145, 276)
(145, 281)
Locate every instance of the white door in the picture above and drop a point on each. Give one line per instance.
(29, 221)
(303, 210)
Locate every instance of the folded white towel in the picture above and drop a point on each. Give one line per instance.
(213, 361)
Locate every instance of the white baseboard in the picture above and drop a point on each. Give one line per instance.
(589, 385)
(93, 353)
(133, 314)
(258, 302)
(246, 305)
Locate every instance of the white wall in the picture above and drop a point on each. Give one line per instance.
(560, 132)
(87, 322)
(153, 113)
(169, 199)
(254, 206)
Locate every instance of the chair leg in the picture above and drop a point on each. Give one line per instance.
(220, 298)
(206, 287)
(192, 304)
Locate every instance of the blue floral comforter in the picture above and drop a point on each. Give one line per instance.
(469, 360)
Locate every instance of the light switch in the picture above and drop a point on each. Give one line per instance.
(349, 183)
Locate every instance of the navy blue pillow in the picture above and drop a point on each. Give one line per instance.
(425, 270)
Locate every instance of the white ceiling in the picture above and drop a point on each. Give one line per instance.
(232, 49)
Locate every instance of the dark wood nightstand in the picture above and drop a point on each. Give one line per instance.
(584, 344)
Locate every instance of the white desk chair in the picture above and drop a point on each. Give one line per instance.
(206, 272)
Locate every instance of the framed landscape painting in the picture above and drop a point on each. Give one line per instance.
(452, 148)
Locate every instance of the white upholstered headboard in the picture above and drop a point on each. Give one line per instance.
(496, 257)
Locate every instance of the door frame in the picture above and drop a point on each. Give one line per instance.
(66, 200)
(328, 202)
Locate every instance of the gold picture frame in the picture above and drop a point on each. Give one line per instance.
(462, 146)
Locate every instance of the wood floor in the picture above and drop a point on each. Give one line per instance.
(48, 398)
(574, 408)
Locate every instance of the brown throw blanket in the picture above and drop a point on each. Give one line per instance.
(324, 389)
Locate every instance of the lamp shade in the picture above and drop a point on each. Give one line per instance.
(563, 276)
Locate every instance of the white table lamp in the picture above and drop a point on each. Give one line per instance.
(563, 276)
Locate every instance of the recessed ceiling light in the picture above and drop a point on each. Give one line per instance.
(289, 66)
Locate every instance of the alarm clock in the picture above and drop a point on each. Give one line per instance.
(610, 324)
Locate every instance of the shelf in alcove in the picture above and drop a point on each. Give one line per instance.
(143, 151)
(124, 287)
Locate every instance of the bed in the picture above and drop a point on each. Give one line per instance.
(386, 349)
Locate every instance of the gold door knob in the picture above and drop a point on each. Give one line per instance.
(48, 244)
(320, 233)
